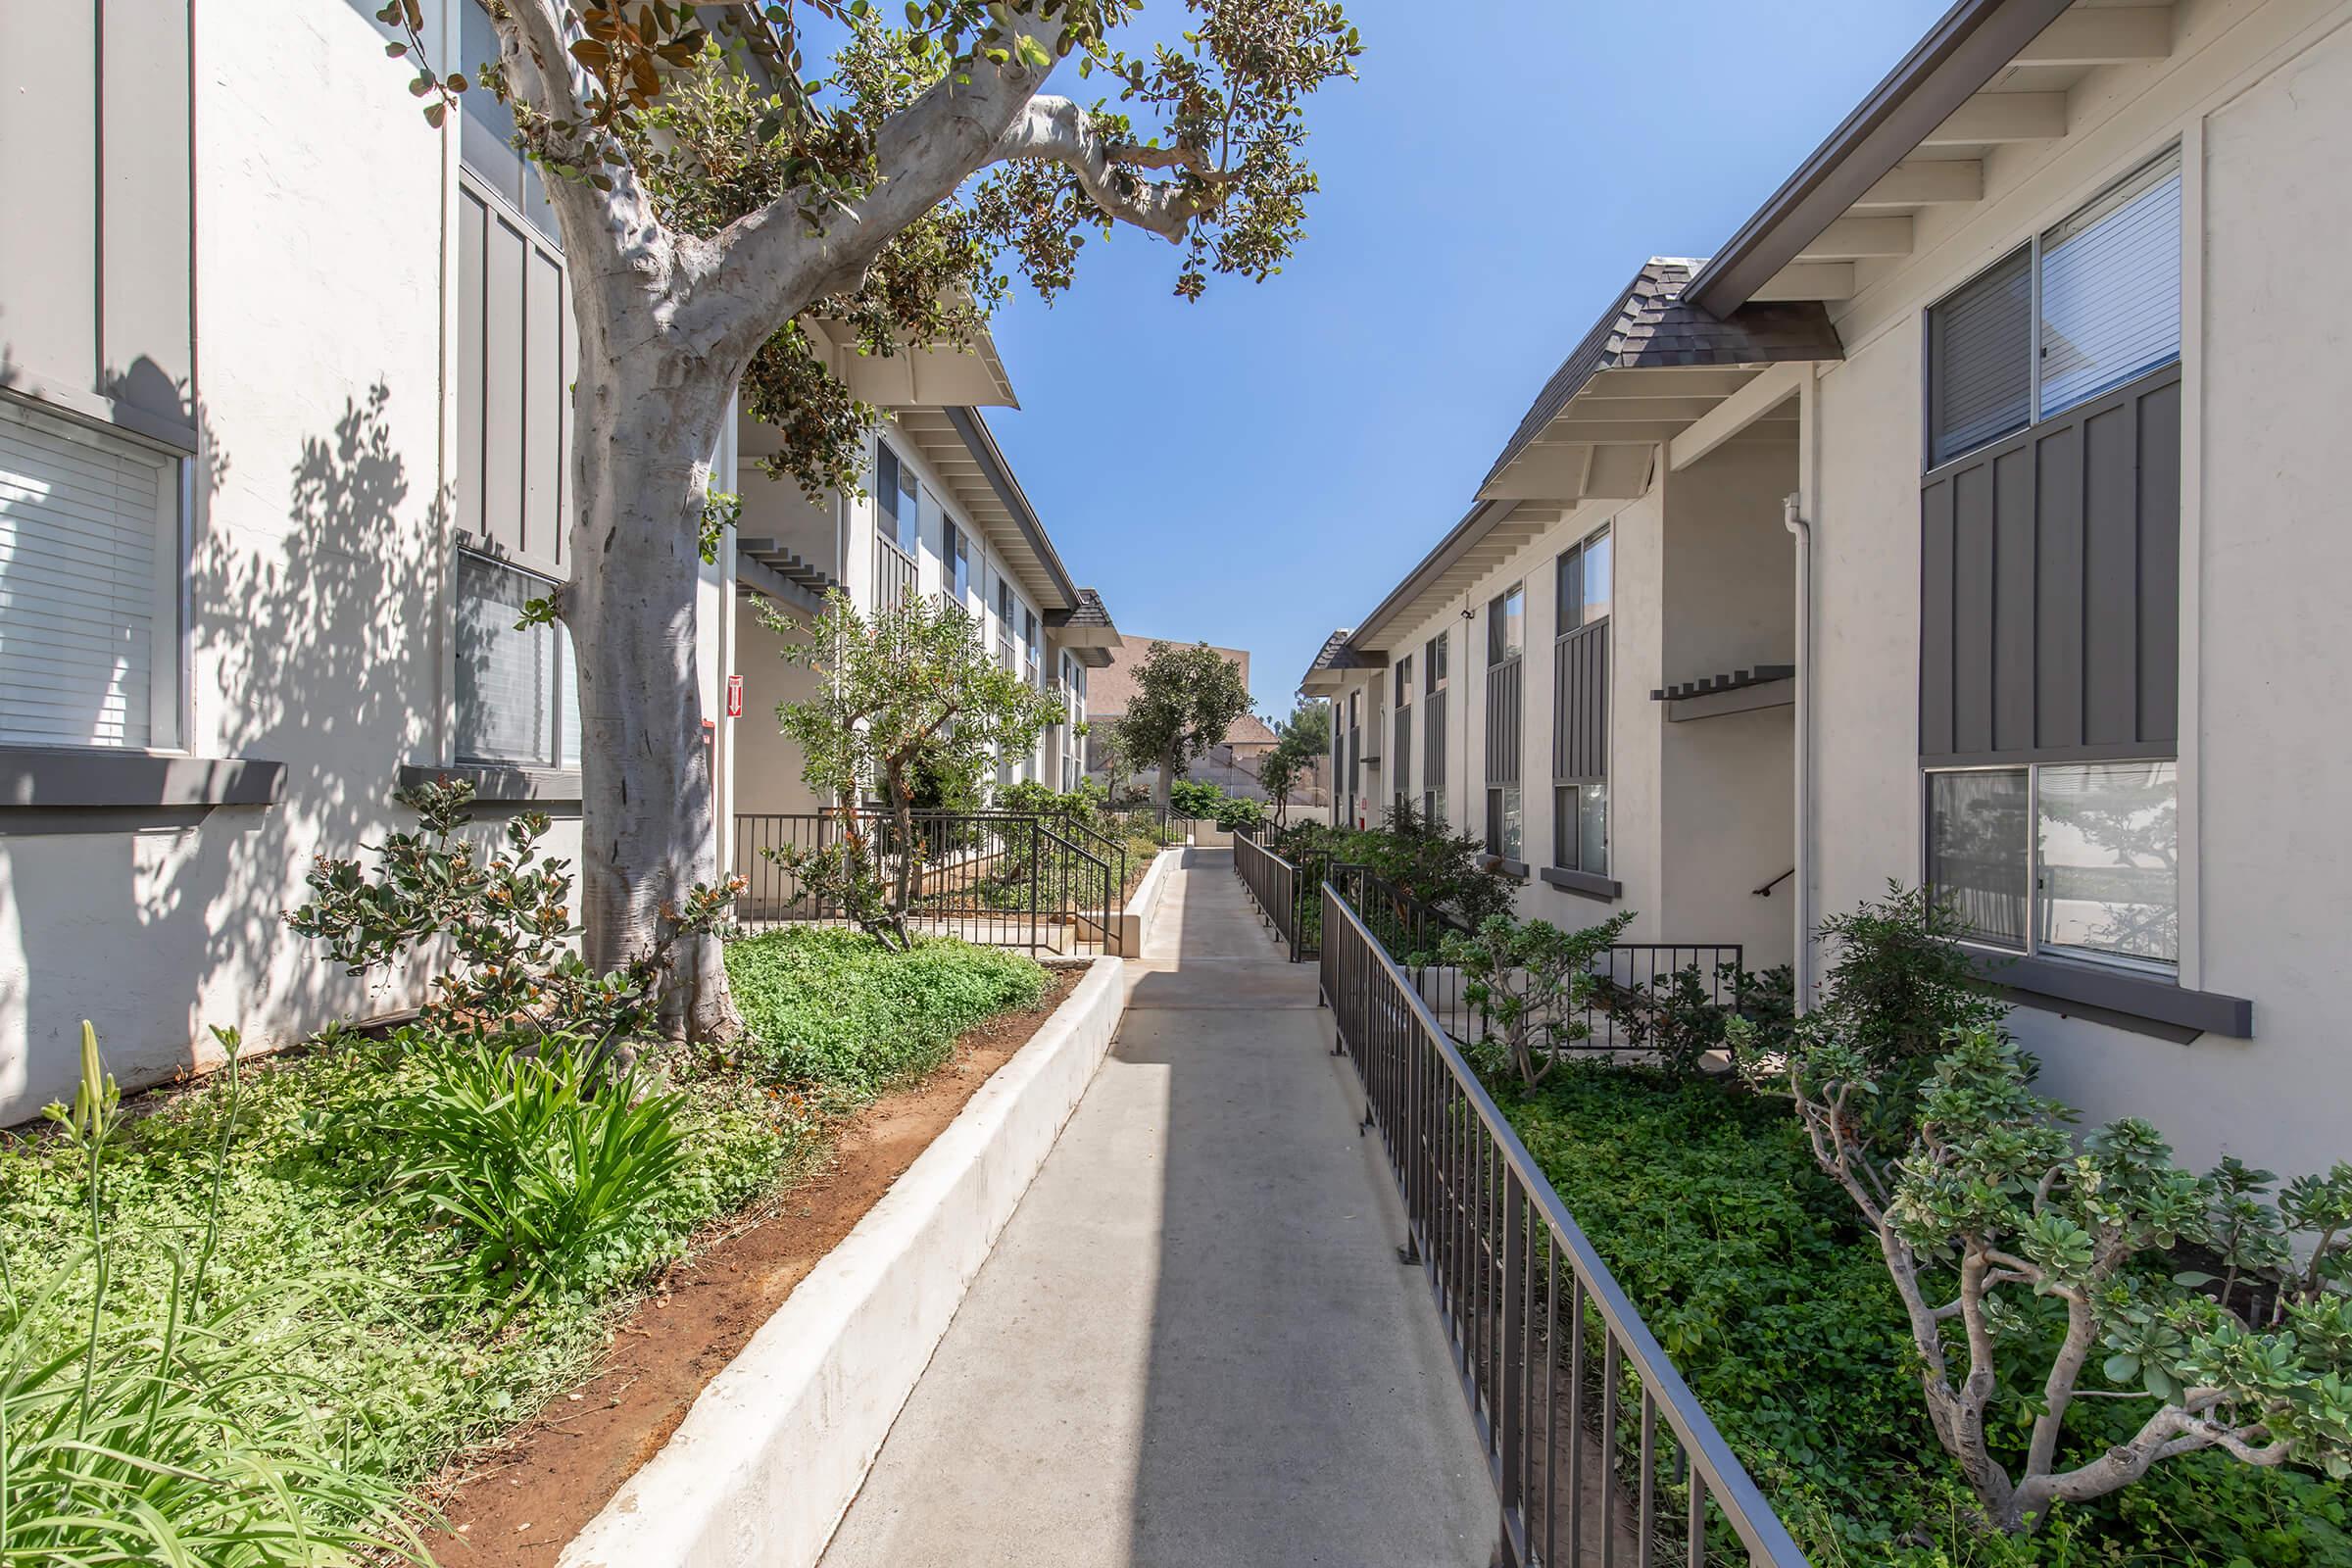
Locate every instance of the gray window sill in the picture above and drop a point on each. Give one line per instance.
(501, 783)
(93, 788)
(1608, 890)
(1490, 861)
(2141, 1004)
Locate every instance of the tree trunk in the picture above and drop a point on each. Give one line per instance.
(645, 431)
(1163, 789)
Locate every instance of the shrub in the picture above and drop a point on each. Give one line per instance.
(183, 1441)
(507, 921)
(541, 1162)
(823, 1007)
(2018, 1254)
(1679, 1017)
(1195, 800)
(1900, 985)
(1425, 860)
(1530, 981)
(1235, 814)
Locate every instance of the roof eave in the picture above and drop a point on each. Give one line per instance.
(982, 441)
(1966, 49)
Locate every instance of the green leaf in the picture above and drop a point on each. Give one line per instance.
(2122, 1369)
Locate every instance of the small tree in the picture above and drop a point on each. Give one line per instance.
(910, 699)
(1185, 701)
(1991, 1196)
(1530, 981)
(1278, 775)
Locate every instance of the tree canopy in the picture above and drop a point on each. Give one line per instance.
(1185, 699)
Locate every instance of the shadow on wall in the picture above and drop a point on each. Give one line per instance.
(313, 644)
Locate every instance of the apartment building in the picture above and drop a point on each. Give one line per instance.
(1961, 520)
(284, 437)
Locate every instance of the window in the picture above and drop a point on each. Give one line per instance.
(486, 133)
(1506, 625)
(2062, 859)
(1029, 641)
(89, 585)
(1579, 706)
(1404, 681)
(1504, 833)
(1433, 728)
(515, 686)
(1580, 827)
(2084, 307)
(959, 563)
(898, 501)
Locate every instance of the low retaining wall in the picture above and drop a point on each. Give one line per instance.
(1136, 919)
(771, 1455)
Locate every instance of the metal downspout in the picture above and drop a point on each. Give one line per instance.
(1792, 518)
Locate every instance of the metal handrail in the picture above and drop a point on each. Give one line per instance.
(1272, 883)
(1470, 1189)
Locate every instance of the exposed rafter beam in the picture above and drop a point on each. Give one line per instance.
(1851, 239)
(1926, 183)
(1809, 280)
(2105, 36)
(1767, 395)
(1666, 382)
(2002, 117)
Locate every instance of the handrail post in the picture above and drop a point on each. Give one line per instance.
(1512, 1402)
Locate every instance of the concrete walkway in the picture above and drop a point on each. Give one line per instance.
(1192, 1345)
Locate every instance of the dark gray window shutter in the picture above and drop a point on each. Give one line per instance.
(1979, 360)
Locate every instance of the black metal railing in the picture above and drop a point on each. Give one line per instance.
(1146, 821)
(1273, 884)
(1597, 1450)
(1006, 879)
(895, 573)
(1645, 999)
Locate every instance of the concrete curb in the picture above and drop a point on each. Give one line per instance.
(1136, 919)
(773, 1451)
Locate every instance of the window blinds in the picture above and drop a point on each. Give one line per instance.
(88, 585)
(2110, 288)
(515, 686)
(1980, 354)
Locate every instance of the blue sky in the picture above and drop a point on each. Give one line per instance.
(1260, 467)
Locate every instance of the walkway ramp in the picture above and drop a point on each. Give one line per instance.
(1194, 1345)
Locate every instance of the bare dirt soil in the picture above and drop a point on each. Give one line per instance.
(518, 1501)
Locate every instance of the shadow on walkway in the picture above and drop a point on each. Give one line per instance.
(1194, 1344)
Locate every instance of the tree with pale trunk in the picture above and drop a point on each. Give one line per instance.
(2011, 1245)
(1185, 701)
(715, 196)
(908, 694)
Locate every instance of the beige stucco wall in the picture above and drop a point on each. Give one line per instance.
(2261, 97)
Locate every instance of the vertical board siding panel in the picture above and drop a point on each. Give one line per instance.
(49, 166)
(473, 220)
(147, 358)
(1972, 609)
(2111, 578)
(2159, 414)
(502, 384)
(2058, 607)
(542, 405)
(1564, 714)
(2013, 564)
(1935, 619)
(1432, 741)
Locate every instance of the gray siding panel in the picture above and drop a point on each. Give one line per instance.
(2049, 587)
(1503, 720)
(2012, 628)
(1433, 739)
(2058, 611)
(146, 355)
(1935, 619)
(1580, 705)
(2160, 565)
(515, 362)
(49, 166)
(95, 296)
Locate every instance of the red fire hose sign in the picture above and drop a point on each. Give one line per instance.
(734, 696)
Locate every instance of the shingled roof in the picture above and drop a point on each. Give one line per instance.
(1088, 611)
(1650, 326)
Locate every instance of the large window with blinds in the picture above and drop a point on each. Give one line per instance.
(2085, 306)
(89, 585)
(516, 690)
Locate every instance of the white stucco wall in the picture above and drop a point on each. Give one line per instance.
(2260, 96)
(316, 576)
